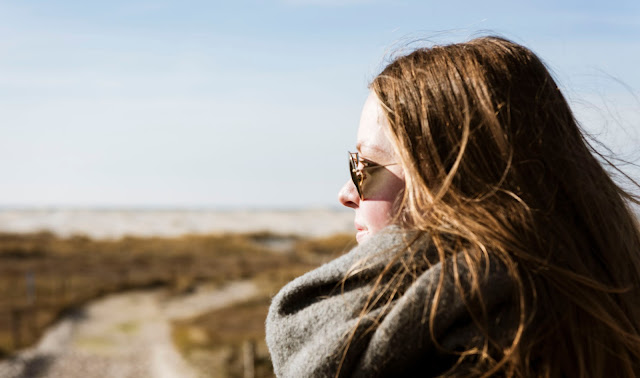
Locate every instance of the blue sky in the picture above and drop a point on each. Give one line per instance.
(254, 103)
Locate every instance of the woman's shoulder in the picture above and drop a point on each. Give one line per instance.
(368, 313)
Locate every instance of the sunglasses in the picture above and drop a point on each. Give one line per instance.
(357, 166)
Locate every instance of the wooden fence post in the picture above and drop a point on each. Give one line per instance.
(33, 322)
(249, 357)
(16, 328)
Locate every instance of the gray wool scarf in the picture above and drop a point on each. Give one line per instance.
(313, 318)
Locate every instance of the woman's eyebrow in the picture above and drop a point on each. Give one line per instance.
(369, 146)
(372, 151)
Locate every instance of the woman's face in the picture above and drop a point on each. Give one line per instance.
(383, 185)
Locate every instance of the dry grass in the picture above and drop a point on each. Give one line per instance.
(224, 333)
(215, 341)
(41, 276)
(322, 250)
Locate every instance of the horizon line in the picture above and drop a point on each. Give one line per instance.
(114, 207)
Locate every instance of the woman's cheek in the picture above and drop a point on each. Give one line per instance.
(379, 210)
(377, 215)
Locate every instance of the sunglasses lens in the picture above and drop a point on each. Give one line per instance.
(353, 165)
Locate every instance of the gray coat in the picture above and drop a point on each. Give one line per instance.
(312, 317)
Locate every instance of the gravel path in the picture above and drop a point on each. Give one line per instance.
(122, 335)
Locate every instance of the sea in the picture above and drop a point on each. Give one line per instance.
(111, 223)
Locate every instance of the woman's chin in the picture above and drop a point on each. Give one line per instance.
(362, 235)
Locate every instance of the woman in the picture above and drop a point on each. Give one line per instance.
(491, 239)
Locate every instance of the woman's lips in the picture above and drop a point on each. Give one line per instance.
(361, 235)
(361, 232)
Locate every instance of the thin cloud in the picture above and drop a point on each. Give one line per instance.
(328, 3)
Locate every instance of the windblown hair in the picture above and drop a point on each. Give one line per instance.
(498, 169)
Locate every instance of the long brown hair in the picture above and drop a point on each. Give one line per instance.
(497, 167)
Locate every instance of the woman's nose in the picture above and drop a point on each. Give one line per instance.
(348, 195)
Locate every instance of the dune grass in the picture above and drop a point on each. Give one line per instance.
(42, 276)
(215, 341)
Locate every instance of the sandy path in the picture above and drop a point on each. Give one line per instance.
(122, 335)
